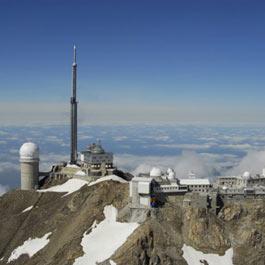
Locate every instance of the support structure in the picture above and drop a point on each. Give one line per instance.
(73, 158)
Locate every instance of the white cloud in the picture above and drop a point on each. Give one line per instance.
(237, 146)
(120, 138)
(182, 164)
(187, 146)
(253, 162)
(47, 160)
(8, 166)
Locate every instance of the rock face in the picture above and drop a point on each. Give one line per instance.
(157, 241)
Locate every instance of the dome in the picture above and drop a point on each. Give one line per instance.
(169, 170)
(171, 174)
(96, 149)
(155, 172)
(246, 175)
(29, 151)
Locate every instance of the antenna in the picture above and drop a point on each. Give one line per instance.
(74, 54)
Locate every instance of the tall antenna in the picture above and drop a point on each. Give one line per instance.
(73, 158)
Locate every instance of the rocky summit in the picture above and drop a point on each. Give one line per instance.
(95, 225)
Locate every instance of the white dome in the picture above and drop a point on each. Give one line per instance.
(169, 170)
(246, 175)
(29, 151)
(155, 172)
(170, 173)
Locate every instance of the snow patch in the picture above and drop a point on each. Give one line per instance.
(72, 166)
(80, 173)
(27, 209)
(193, 256)
(30, 247)
(105, 238)
(106, 178)
(112, 262)
(69, 186)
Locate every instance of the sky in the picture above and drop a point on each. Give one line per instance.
(138, 61)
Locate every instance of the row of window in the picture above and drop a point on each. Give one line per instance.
(199, 186)
(107, 157)
(99, 166)
(201, 190)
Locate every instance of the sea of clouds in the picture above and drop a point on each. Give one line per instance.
(208, 151)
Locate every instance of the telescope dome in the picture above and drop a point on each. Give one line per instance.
(155, 172)
(29, 151)
(171, 174)
(246, 175)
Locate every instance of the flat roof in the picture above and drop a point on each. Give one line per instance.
(143, 179)
(194, 182)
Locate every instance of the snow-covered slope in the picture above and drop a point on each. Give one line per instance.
(69, 186)
(30, 247)
(106, 178)
(193, 257)
(75, 184)
(105, 238)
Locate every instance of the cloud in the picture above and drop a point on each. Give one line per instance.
(253, 162)
(120, 138)
(237, 146)
(182, 164)
(6, 166)
(9, 173)
(187, 146)
(47, 160)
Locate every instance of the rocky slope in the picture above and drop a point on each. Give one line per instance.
(157, 241)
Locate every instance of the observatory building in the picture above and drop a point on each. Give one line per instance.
(94, 162)
(29, 162)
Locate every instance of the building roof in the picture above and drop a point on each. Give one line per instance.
(142, 179)
(194, 182)
(155, 172)
(29, 151)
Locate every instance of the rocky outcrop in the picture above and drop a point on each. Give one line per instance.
(157, 241)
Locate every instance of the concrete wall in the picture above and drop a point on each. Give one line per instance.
(29, 175)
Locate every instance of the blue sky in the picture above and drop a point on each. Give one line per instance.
(171, 60)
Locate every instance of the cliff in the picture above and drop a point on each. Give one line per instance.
(166, 236)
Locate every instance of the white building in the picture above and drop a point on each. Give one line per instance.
(146, 189)
(96, 161)
(197, 185)
(241, 182)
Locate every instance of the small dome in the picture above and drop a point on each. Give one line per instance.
(169, 170)
(246, 175)
(96, 149)
(171, 174)
(155, 172)
(29, 151)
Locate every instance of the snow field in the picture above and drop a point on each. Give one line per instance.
(106, 178)
(30, 247)
(193, 257)
(105, 238)
(69, 186)
(75, 184)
